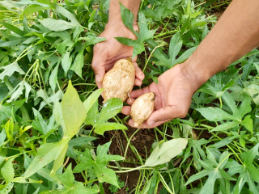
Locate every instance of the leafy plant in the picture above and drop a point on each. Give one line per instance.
(46, 48)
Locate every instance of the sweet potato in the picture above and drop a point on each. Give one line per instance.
(119, 81)
(142, 108)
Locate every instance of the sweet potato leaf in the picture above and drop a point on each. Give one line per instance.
(99, 164)
(73, 111)
(166, 151)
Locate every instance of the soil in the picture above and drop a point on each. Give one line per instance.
(142, 141)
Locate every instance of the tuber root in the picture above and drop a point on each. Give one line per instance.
(119, 81)
(142, 108)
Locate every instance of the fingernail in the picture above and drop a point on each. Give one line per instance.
(98, 78)
(150, 123)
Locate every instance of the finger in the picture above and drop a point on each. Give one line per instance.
(167, 113)
(146, 126)
(139, 92)
(99, 85)
(134, 59)
(98, 64)
(130, 101)
(126, 110)
(137, 82)
(139, 74)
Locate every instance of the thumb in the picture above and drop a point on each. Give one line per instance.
(98, 65)
(167, 113)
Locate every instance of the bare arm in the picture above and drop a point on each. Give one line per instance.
(234, 35)
(132, 5)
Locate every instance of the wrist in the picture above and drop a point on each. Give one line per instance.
(115, 12)
(195, 72)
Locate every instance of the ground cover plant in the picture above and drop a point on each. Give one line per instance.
(56, 136)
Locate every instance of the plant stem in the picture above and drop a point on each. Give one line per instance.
(166, 33)
(24, 111)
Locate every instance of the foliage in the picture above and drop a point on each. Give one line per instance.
(51, 121)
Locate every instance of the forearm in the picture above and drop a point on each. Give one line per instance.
(234, 35)
(114, 13)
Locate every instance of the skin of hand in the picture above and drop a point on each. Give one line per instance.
(108, 52)
(235, 34)
(173, 96)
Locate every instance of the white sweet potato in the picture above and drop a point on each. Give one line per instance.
(142, 108)
(119, 81)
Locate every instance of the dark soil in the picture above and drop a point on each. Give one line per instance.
(142, 141)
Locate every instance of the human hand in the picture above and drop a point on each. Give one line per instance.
(173, 96)
(108, 52)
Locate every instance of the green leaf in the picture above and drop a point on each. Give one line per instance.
(99, 164)
(213, 172)
(92, 115)
(47, 2)
(197, 151)
(91, 40)
(175, 47)
(2, 138)
(73, 111)
(66, 62)
(151, 184)
(18, 91)
(215, 91)
(7, 188)
(39, 122)
(70, 185)
(127, 18)
(215, 114)
(248, 172)
(144, 32)
(185, 55)
(165, 152)
(53, 78)
(110, 109)
(138, 47)
(13, 28)
(10, 69)
(228, 99)
(102, 127)
(245, 106)
(198, 176)
(88, 103)
(32, 9)
(248, 123)
(226, 126)
(45, 154)
(253, 91)
(208, 188)
(67, 14)
(78, 63)
(7, 171)
(59, 161)
(98, 120)
(7, 110)
(249, 155)
(226, 176)
(56, 25)
(79, 142)
(57, 112)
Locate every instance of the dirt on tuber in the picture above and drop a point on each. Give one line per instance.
(119, 81)
(142, 108)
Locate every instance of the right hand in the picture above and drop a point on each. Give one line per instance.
(173, 95)
(108, 52)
